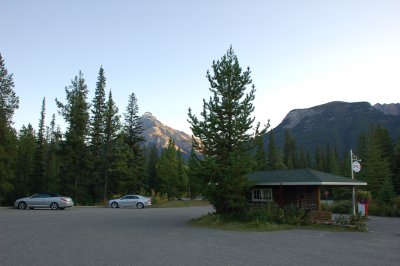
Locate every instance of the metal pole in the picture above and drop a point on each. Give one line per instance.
(354, 189)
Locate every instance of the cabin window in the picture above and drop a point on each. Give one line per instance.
(262, 194)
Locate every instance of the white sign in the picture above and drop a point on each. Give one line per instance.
(356, 166)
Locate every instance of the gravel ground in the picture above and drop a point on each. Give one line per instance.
(157, 236)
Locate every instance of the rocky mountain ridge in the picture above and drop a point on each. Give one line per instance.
(337, 123)
(388, 109)
(158, 134)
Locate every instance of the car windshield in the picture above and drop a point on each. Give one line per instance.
(45, 195)
(40, 195)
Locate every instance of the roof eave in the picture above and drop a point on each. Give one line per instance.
(311, 184)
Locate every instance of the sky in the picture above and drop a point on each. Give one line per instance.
(301, 53)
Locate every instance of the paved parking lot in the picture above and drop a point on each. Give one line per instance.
(102, 236)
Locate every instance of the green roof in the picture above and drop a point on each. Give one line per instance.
(305, 177)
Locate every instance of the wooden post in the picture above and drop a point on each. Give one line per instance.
(319, 197)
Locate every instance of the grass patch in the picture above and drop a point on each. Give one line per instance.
(181, 203)
(214, 221)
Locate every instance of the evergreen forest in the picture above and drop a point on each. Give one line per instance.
(101, 153)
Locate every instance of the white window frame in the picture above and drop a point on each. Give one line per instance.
(261, 194)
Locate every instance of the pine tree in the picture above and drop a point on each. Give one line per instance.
(97, 138)
(53, 160)
(386, 192)
(74, 150)
(133, 138)
(396, 176)
(183, 178)
(224, 134)
(9, 102)
(132, 125)
(331, 160)
(151, 168)
(289, 151)
(303, 163)
(168, 171)
(319, 159)
(274, 156)
(39, 182)
(376, 166)
(194, 182)
(112, 128)
(260, 158)
(24, 165)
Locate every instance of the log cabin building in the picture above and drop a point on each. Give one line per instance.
(301, 187)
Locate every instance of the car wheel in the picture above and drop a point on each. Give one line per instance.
(114, 205)
(140, 205)
(54, 206)
(22, 205)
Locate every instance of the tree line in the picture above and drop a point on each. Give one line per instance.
(101, 153)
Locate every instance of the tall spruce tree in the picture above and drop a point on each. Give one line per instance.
(53, 160)
(112, 129)
(376, 165)
(132, 126)
(224, 134)
(39, 182)
(260, 158)
(195, 183)
(24, 165)
(9, 102)
(74, 150)
(396, 176)
(168, 171)
(290, 151)
(133, 133)
(97, 136)
(319, 163)
(275, 161)
(151, 168)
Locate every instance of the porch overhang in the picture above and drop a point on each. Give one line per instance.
(301, 177)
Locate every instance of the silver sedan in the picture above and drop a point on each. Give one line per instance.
(130, 201)
(44, 200)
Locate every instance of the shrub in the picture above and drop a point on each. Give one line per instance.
(295, 215)
(157, 198)
(341, 219)
(363, 195)
(358, 221)
(391, 208)
(271, 213)
(266, 213)
(326, 207)
(342, 207)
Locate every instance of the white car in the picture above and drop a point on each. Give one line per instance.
(44, 200)
(130, 201)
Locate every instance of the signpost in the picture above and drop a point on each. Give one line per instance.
(355, 168)
(326, 196)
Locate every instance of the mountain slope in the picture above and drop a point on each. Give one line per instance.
(337, 123)
(388, 109)
(157, 133)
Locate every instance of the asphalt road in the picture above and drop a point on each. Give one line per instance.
(152, 236)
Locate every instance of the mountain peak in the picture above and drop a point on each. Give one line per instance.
(338, 123)
(388, 109)
(158, 134)
(331, 110)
